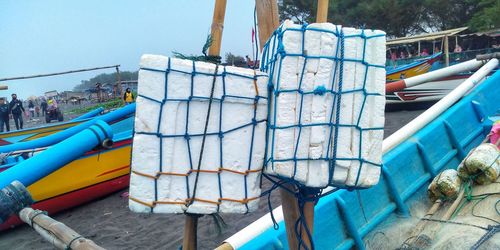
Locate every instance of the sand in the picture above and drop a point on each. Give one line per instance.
(110, 224)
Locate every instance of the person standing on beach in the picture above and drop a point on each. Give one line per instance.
(44, 107)
(37, 111)
(128, 97)
(31, 108)
(16, 109)
(4, 115)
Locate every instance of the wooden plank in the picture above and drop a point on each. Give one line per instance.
(217, 27)
(267, 19)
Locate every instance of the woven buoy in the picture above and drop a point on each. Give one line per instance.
(483, 163)
(445, 186)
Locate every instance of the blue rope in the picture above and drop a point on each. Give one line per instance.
(188, 135)
(273, 55)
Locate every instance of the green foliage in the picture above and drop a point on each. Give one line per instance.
(105, 79)
(449, 14)
(400, 17)
(204, 57)
(488, 17)
(111, 104)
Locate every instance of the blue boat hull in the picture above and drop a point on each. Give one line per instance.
(344, 218)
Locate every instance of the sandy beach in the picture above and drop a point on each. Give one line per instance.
(110, 224)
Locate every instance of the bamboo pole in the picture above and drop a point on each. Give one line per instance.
(60, 235)
(190, 241)
(291, 214)
(421, 224)
(118, 84)
(217, 27)
(424, 240)
(322, 12)
(191, 223)
(267, 19)
(446, 51)
(59, 73)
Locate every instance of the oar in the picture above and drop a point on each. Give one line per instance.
(191, 223)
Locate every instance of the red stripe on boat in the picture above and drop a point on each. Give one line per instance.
(112, 171)
(73, 199)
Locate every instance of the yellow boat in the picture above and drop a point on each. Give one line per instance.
(96, 174)
(413, 69)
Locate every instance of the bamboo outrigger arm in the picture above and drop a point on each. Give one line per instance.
(15, 199)
(438, 108)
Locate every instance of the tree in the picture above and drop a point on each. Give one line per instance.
(449, 14)
(487, 17)
(395, 17)
(105, 78)
(235, 60)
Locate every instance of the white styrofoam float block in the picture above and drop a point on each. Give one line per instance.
(242, 148)
(322, 46)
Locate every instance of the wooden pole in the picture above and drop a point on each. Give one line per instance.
(446, 52)
(60, 235)
(217, 27)
(322, 12)
(119, 82)
(191, 223)
(291, 214)
(55, 74)
(412, 239)
(267, 19)
(190, 241)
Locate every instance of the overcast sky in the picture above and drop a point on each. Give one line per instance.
(56, 35)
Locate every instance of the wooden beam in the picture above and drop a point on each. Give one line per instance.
(267, 19)
(55, 74)
(190, 241)
(291, 214)
(217, 27)
(446, 51)
(118, 85)
(322, 11)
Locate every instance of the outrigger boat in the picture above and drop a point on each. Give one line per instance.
(415, 68)
(96, 174)
(414, 155)
(433, 91)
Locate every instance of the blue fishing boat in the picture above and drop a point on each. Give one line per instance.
(344, 218)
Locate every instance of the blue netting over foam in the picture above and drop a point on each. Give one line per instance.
(274, 54)
(217, 99)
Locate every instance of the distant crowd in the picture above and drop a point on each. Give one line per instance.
(403, 53)
(15, 110)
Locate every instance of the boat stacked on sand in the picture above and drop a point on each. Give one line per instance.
(97, 173)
